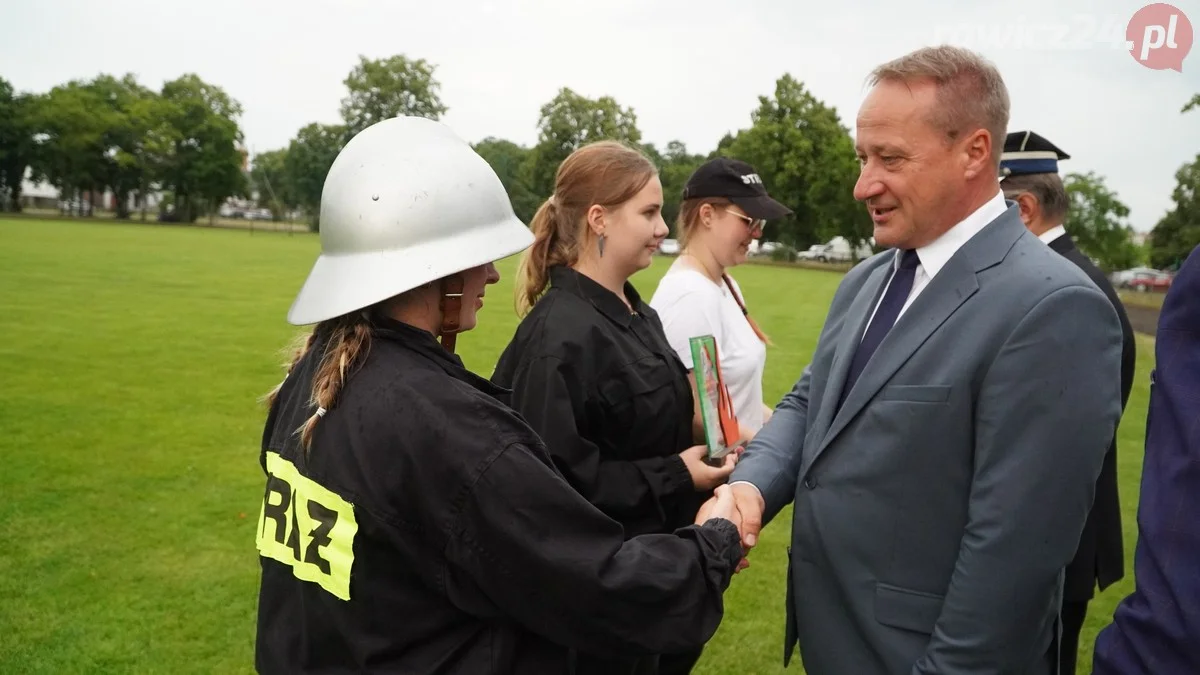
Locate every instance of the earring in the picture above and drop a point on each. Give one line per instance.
(602, 246)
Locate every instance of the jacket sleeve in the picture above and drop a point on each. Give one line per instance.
(561, 568)
(1128, 354)
(1045, 415)
(1151, 631)
(549, 399)
(772, 460)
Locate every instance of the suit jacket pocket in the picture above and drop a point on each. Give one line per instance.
(908, 609)
(916, 393)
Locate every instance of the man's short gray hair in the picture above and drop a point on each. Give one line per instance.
(1047, 188)
(970, 92)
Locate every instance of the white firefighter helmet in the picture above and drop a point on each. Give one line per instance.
(405, 203)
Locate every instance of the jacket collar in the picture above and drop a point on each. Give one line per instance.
(566, 279)
(424, 344)
(1053, 234)
(1062, 244)
(935, 255)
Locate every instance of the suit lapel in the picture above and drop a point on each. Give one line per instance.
(1063, 244)
(851, 334)
(953, 285)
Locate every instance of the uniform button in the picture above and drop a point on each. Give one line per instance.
(810, 483)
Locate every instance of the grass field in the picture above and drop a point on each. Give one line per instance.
(1142, 299)
(132, 359)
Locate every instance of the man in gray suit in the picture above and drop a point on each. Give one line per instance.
(941, 450)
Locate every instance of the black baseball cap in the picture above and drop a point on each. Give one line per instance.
(736, 181)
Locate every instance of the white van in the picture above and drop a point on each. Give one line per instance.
(837, 249)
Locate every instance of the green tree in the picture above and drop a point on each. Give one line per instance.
(155, 149)
(384, 88)
(1174, 237)
(568, 122)
(309, 156)
(268, 177)
(72, 123)
(134, 115)
(204, 168)
(507, 159)
(675, 167)
(806, 160)
(17, 146)
(1097, 222)
(1179, 231)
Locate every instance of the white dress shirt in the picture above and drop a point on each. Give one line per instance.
(934, 256)
(1052, 234)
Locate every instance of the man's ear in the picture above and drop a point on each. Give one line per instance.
(1029, 206)
(978, 150)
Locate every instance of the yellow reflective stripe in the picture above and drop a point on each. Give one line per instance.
(304, 525)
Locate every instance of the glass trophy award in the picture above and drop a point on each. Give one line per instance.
(716, 407)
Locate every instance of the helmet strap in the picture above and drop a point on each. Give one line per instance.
(451, 306)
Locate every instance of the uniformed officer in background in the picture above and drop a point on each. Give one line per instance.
(1029, 176)
(410, 521)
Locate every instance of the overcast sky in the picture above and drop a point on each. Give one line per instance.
(691, 69)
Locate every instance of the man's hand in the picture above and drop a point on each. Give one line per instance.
(750, 506)
(728, 503)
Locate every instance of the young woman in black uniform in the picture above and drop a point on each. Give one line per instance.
(590, 367)
(411, 522)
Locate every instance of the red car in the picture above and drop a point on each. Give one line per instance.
(1149, 281)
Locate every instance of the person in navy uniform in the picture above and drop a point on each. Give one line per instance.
(1029, 177)
(411, 522)
(1156, 629)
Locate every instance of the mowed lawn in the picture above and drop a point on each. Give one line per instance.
(132, 360)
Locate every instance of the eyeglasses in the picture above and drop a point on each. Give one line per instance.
(751, 223)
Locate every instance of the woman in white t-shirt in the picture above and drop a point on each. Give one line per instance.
(724, 206)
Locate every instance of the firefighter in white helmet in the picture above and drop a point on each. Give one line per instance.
(411, 522)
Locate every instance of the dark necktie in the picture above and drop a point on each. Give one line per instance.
(885, 315)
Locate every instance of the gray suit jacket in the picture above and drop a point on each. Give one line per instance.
(935, 512)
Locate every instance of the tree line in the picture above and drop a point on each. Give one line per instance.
(185, 143)
(796, 142)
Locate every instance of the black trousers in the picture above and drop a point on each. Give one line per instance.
(1073, 614)
(678, 664)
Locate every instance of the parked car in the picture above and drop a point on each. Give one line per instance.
(814, 252)
(257, 214)
(758, 247)
(1122, 278)
(837, 249)
(1152, 280)
(669, 247)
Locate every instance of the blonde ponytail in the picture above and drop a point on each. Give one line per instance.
(348, 339)
(533, 273)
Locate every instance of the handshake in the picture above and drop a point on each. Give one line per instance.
(743, 505)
